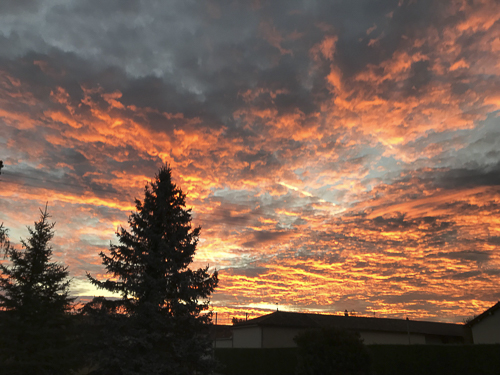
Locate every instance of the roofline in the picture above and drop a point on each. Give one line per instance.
(263, 321)
(484, 314)
(386, 330)
(245, 325)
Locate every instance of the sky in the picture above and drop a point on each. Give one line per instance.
(338, 155)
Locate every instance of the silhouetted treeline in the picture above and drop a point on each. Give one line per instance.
(157, 326)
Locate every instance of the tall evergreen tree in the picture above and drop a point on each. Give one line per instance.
(34, 299)
(158, 324)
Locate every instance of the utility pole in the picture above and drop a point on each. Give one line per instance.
(215, 332)
(408, 328)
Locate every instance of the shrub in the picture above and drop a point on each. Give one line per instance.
(331, 351)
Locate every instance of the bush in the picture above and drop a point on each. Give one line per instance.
(256, 361)
(331, 351)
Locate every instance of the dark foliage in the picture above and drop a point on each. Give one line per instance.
(34, 302)
(158, 326)
(331, 351)
(386, 360)
(253, 361)
(436, 359)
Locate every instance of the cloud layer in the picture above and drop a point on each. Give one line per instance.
(337, 155)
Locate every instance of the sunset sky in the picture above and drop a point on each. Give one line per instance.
(337, 154)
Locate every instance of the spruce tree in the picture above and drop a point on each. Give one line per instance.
(158, 325)
(34, 299)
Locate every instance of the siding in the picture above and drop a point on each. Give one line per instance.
(487, 331)
(248, 337)
(275, 337)
(223, 343)
(391, 338)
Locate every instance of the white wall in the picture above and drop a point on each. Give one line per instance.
(223, 343)
(279, 337)
(283, 337)
(247, 337)
(487, 331)
(370, 337)
(272, 337)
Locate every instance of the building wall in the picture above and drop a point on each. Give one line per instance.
(274, 337)
(223, 343)
(487, 331)
(371, 337)
(247, 337)
(440, 339)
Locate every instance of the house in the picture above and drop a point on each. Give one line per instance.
(486, 327)
(277, 330)
(221, 336)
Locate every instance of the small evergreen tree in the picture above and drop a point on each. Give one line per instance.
(157, 326)
(34, 299)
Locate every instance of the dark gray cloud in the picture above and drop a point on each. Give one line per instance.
(260, 238)
(465, 275)
(185, 60)
(468, 255)
(16, 7)
(399, 223)
(248, 271)
(475, 175)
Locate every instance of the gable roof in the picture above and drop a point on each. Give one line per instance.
(353, 323)
(484, 314)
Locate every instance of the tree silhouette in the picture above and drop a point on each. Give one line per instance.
(34, 300)
(236, 320)
(4, 239)
(157, 325)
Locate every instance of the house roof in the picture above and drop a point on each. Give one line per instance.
(353, 323)
(486, 313)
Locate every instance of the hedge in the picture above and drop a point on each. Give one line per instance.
(386, 360)
(435, 359)
(275, 361)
